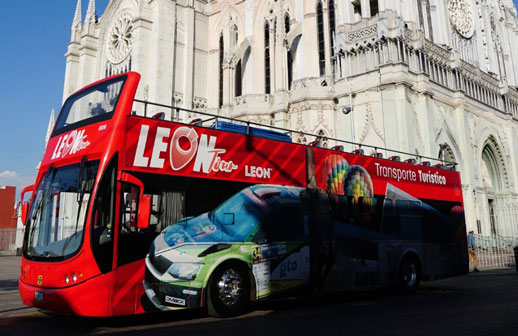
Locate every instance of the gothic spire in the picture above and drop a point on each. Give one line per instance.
(76, 24)
(77, 16)
(91, 15)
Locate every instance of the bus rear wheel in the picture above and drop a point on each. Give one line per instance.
(409, 275)
(228, 290)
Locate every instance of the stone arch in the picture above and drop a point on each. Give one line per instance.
(446, 153)
(243, 48)
(492, 167)
(448, 146)
(491, 149)
(226, 19)
(322, 135)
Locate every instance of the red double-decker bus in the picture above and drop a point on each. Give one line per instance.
(133, 213)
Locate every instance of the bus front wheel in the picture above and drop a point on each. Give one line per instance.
(228, 290)
(409, 275)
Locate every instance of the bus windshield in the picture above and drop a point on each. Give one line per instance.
(56, 222)
(91, 105)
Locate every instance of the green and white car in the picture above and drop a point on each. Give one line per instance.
(253, 245)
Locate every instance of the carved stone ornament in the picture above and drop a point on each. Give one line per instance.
(119, 39)
(461, 17)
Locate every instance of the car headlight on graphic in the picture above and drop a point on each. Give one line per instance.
(184, 271)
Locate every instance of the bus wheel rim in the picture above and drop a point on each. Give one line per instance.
(410, 274)
(229, 287)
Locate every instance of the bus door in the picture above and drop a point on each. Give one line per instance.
(142, 218)
(133, 239)
(102, 231)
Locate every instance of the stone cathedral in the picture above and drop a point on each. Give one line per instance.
(435, 78)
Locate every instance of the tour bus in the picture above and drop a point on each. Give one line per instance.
(141, 207)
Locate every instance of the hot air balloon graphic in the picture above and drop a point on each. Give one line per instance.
(358, 183)
(333, 172)
(359, 191)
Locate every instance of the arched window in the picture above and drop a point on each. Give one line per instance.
(332, 29)
(238, 90)
(491, 173)
(321, 45)
(287, 23)
(289, 55)
(374, 7)
(267, 75)
(221, 50)
(491, 176)
(445, 153)
(323, 139)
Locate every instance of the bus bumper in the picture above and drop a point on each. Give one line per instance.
(89, 298)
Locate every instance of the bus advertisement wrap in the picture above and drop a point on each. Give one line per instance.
(133, 214)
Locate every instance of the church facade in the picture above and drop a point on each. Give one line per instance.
(434, 78)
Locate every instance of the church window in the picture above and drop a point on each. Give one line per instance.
(287, 23)
(322, 139)
(238, 90)
(357, 8)
(332, 28)
(321, 45)
(221, 46)
(374, 7)
(267, 87)
(275, 30)
(289, 55)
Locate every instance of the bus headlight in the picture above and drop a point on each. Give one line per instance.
(184, 271)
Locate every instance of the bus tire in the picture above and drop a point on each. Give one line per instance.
(409, 274)
(228, 290)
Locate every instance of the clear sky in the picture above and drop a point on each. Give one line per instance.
(33, 41)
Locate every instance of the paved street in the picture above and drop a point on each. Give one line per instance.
(476, 304)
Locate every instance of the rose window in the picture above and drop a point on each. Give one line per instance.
(120, 39)
(461, 16)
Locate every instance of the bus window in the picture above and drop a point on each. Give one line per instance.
(171, 208)
(103, 219)
(414, 208)
(391, 220)
(412, 226)
(282, 223)
(401, 207)
(388, 208)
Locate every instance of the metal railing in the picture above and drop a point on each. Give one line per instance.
(197, 120)
(495, 251)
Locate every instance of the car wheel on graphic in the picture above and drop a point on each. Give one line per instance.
(409, 275)
(228, 290)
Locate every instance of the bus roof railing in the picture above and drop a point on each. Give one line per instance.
(356, 148)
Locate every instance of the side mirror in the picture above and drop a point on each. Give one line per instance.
(25, 205)
(144, 212)
(25, 210)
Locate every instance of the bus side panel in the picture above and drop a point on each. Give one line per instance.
(90, 298)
